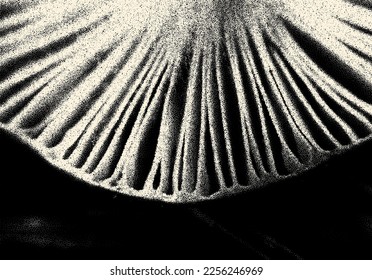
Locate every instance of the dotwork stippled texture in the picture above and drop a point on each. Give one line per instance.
(186, 100)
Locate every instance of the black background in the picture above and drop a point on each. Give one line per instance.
(47, 214)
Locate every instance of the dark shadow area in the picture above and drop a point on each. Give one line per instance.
(322, 214)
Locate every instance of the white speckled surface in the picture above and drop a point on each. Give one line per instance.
(186, 100)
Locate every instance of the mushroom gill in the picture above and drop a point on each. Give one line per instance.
(186, 100)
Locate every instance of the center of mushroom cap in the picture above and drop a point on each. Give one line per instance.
(180, 22)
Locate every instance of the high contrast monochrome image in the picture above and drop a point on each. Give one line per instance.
(185, 129)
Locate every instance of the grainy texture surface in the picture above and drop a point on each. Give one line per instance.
(186, 100)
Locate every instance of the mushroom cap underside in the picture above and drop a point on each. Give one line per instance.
(185, 101)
